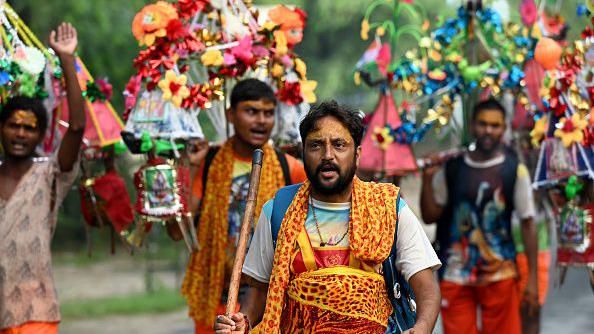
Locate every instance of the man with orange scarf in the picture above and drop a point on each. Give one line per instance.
(220, 188)
(323, 272)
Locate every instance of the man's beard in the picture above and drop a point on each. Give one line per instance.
(488, 149)
(341, 184)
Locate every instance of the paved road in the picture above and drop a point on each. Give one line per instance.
(570, 308)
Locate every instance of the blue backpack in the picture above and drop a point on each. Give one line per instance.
(399, 291)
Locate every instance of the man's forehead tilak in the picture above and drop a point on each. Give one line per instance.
(25, 117)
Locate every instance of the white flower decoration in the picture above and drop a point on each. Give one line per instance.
(30, 60)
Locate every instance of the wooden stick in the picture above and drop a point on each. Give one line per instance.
(246, 224)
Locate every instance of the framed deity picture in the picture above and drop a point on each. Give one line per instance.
(574, 228)
(160, 190)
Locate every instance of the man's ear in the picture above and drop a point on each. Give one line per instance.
(230, 114)
(357, 155)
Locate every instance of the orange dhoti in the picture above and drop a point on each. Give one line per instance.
(33, 328)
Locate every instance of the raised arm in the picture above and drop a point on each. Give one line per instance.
(64, 41)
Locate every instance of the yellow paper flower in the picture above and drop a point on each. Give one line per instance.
(301, 68)
(382, 137)
(364, 30)
(280, 39)
(174, 87)
(307, 90)
(268, 26)
(151, 22)
(571, 130)
(539, 131)
(380, 31)
(441, 113)
(277, 70)
(212, 58)
(357, 78)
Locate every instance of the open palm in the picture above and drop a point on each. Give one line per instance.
(64, 39)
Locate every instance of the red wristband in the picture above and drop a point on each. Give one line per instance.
(248, 326)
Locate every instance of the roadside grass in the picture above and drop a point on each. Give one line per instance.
(159, 301)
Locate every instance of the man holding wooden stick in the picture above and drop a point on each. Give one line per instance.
(220, 190)
(321, 269)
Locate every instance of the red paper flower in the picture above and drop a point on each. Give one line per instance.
(189, 8)
(131, 93)
(105, 88)
(198, 97)
(290, 93)
(588, 137)
(555, 103)
(176, 30)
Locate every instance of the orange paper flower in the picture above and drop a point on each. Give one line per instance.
(151, 22)
(174, 88)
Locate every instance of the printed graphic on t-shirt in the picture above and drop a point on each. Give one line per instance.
(481, 248)
(240, 184)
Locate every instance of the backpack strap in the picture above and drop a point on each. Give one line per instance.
(210, 155)
(399, 291)
(282, 159)
(282, 200)
(389, 264)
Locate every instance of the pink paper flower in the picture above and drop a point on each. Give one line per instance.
(528, 12)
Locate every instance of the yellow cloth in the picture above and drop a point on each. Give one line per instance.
(204, 280)
(353, 293)
(371, 234)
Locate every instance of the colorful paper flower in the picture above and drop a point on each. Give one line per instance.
(528, 12)
(189, 8)
(30, 60)
(174, 87)
(300, 68)
(243, 51)
(105, 88)
(151, 22)
(382, 137)
(281, 46)
(277, 70)
(290, 93)
(212, 58)
(291, 22)
(539, 131)
(307, 90)
(571, 130)
(364, 30)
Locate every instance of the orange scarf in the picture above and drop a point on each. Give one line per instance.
(204, 279)
(372, 224)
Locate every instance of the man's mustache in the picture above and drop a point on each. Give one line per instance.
(327, 167)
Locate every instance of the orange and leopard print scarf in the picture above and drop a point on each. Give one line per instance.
(372, 225)
(204, 279)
